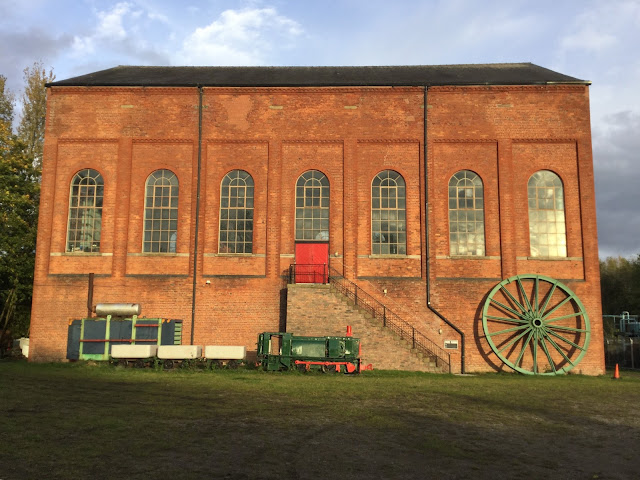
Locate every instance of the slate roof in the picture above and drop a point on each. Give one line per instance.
(395, 76)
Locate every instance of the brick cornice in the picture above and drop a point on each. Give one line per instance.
(164, 140)
(544, 140)
(87, 140)
(388, 140)
(463, 140)
(304, 90)
(507, 88)
(236, 140)
(128, 90)
(302, 140)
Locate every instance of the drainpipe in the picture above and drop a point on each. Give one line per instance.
(426, 213)
(195, 247)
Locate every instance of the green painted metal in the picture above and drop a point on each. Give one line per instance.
(281, 350)
(536, 325)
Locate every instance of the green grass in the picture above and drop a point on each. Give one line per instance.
(97, 421)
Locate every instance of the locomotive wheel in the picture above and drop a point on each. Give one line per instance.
(302, 368)
(325, 368)
(168, 364)
(536, 325)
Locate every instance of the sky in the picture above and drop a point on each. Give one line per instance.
(595, 40)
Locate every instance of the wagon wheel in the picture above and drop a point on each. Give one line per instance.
(536, 325)
(140, 363)
(168, 364)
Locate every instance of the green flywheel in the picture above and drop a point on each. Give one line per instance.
(536, 325)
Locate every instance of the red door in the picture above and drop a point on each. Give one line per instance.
(312, 262)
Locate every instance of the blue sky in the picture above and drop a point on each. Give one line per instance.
(588, 39)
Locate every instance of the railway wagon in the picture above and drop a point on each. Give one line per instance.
(286, 351)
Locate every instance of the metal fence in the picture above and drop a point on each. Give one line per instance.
(623, 351)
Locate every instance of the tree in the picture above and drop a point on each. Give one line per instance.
(6, 102)
(20, 161)
(19, 198)
(34, 105)
(620, 285)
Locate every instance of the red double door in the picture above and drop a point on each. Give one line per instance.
(312, 262)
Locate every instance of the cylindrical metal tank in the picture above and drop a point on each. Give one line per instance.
(118, 309)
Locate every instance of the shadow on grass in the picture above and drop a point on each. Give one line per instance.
(64, 421)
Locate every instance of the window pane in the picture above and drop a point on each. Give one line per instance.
(312, 204)
(466, 214)
(388, 204)
(236, 205)
(547, 237)
(161, 212)
(85, 212)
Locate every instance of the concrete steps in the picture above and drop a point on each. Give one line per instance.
(317, 310)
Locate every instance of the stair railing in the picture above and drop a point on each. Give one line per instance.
(389, 319)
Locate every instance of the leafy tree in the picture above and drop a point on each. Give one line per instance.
(19, 198)
(20, 163)
(620, 282)
(34, 104)
(6, 102)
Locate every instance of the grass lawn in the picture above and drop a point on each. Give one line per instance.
(86, 421)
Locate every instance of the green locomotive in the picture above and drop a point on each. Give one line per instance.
(285, 351)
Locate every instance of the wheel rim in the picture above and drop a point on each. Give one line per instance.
(536, 325)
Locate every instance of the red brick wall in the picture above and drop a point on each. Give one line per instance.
(504, 134)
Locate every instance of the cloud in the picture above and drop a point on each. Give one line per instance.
(27, 47)
(240, 37)
(602, 26)
(617, 175)
(110, 28)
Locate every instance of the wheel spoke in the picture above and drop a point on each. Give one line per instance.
(546, 351)
(524, 347)
(549, 295)
(508, 309)
(557, 307)
(563, 317)
(504, 319)
(511, 342)
(513, 299)
(535, 352)
(575, 345)
(514, 329)
(567, 329)
(536, 288)
(524, 295)
(560, 351)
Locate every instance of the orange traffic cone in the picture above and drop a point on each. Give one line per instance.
(349, 331)
(616, 374)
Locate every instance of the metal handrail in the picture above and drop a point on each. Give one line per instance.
(380, 312)
(310, 269)
(389, 319)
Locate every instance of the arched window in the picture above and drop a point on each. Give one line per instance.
(312, 206)
(547, 233)
(236, 213)
(466, 214)
(388, 214)
(85, 212)
(161, 213)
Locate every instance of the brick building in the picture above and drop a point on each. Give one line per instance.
(191, 190)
